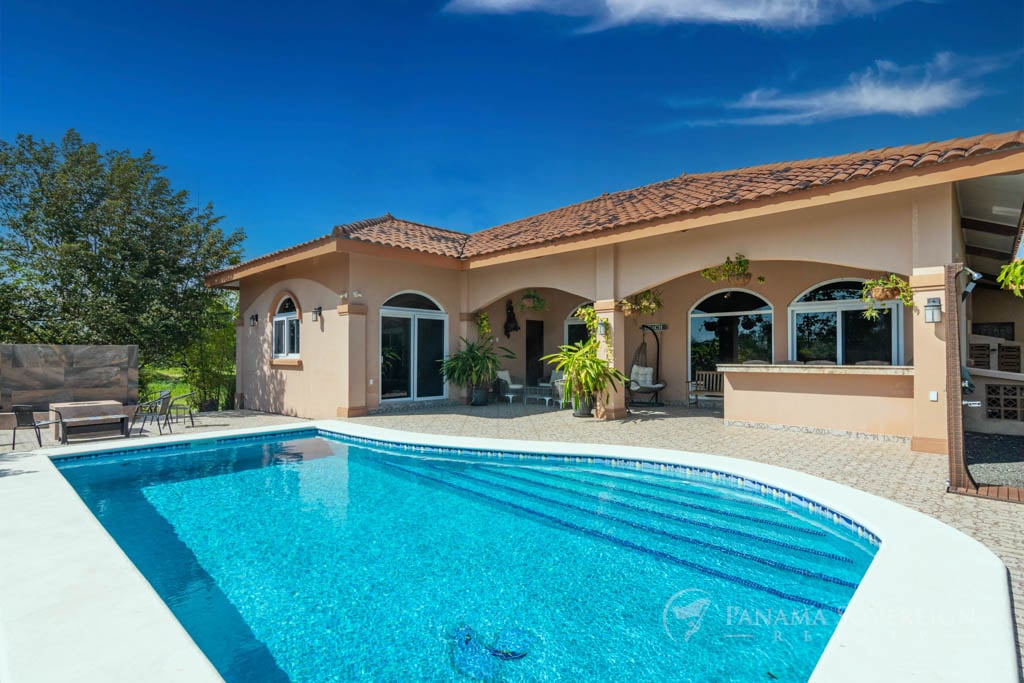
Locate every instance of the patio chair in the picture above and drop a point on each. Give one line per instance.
(508, 388)
(157, 409)
(641, 381)
(180, 406)
(558, 393)
(25, 417)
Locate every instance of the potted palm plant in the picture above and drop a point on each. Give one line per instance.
(587, 376)
(475, 366)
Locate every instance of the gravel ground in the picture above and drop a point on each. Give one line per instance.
(995, 459)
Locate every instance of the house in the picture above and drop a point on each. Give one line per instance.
(359, 318)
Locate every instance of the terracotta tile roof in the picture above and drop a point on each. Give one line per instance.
(686, 194)
(691, 193)
(395, 232)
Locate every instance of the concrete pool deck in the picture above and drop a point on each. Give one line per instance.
(884, 468)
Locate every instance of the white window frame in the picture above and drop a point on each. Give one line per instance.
(413, 314)
(569, 322)
(893, 308)
(692, 315)
(286, 319)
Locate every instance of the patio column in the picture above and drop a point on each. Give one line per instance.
(612, 347)
(352, 340)
(929, 358)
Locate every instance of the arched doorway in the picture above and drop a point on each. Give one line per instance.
(732, 326)
(413, 342)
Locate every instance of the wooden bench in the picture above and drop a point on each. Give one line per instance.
(90, 425)
(709, 384)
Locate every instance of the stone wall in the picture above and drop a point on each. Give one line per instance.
(41, 374)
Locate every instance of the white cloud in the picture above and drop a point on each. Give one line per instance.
(765, 13)
(947, 82)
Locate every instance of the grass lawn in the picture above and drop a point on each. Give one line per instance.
(162, 379)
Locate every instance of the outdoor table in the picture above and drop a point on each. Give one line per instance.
(77, 409)
(541, 392)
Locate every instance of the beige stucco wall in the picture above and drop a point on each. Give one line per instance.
(859, 238)
(997, 306)
(865, 404)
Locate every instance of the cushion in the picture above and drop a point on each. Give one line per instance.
(642, 375)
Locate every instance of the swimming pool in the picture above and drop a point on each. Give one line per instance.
(318, 556)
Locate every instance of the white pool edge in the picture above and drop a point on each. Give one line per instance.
(933, 606)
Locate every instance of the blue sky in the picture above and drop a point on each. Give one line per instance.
(469, 113)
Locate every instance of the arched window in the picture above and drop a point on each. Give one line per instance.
(733, 326)
(826, 323)
(286, 330)
(412, 300)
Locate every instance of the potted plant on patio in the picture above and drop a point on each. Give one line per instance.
(889, 287)
(587, 376)
(475, 366)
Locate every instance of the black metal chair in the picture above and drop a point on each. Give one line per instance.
(180, 405)
(26, 418)
(157, 409)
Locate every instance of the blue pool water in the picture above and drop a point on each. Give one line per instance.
(315, 557)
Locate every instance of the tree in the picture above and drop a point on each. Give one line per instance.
(96, 247)
(209, 361)
(1011, 277)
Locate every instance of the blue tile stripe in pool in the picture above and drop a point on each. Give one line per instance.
(624, 542)
(693, 522)
(654, 530)
(703, 508)
(683, 471)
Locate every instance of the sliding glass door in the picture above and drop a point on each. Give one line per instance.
(413, 343)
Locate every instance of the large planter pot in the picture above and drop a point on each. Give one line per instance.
(583, 407)
(478, 397)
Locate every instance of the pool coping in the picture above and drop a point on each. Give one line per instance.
(934, 604)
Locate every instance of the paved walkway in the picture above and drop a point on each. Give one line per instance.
(887, 469)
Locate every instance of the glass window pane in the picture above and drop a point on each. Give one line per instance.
(286, 306)
(866, 340)
(429, 354)
(278, 337)
(816, 336)
(577, 332)
(847, 290)
(753, 338)
(396, 355)
(729, 339)
(293, 336)
(410, 300)
(725, 302)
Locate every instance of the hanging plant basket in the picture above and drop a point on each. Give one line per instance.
(747, 324)
(710, 325)
(884, 293)
(532, 301)
(739, 279)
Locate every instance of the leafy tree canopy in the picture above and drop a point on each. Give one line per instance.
(96, 247)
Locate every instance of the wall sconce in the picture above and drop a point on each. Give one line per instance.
(602, 327)
(933, 310)
(253, 319)
(317, 312)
